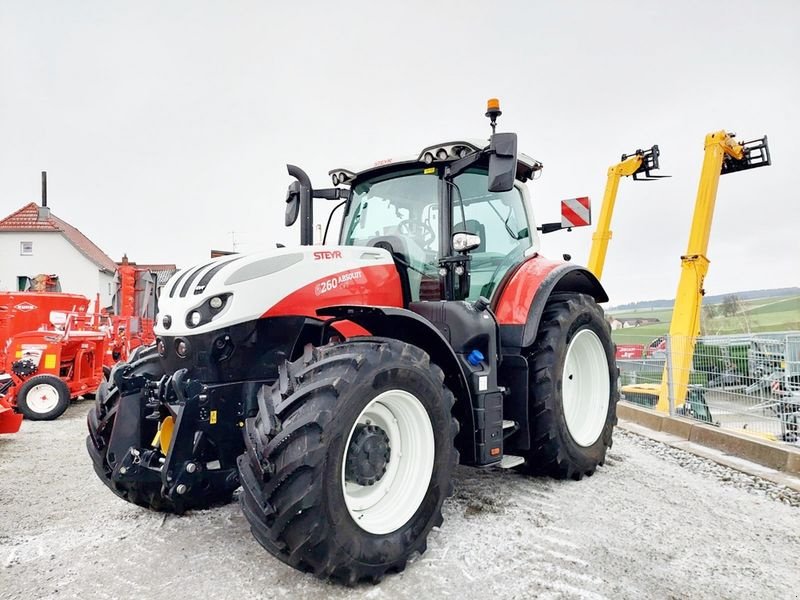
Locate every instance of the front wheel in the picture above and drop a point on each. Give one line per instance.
(43, 398)
(349, 459)
(573, 389)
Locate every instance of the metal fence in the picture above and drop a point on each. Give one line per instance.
(747, 383)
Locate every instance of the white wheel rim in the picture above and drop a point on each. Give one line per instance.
(42, 398)
(390, 502)
(585, 387)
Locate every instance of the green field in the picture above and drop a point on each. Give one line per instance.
(756, 316)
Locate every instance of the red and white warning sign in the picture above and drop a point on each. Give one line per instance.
(576, 212)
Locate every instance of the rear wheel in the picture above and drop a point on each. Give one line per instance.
(43, 398)
(573, 393)
(101, 421)
(349, 459)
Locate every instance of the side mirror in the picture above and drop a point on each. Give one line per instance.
(502, 162)
(465, 242)
(292, 203)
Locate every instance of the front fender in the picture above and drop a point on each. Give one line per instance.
(522, 296)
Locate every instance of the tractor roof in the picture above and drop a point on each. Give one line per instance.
(440, 153)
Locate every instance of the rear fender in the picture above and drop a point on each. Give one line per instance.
(522, 297)
(411, 328)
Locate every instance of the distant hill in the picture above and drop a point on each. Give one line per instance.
(716, 299)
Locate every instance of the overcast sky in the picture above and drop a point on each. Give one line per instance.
(165, 126)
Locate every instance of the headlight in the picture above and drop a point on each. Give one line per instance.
(207, 311)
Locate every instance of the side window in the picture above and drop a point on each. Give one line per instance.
(502, 224)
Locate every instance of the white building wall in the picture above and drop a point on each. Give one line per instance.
(52, 254)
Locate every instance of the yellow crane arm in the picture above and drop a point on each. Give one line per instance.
(723, 154)
(640, 162)
(602, 234)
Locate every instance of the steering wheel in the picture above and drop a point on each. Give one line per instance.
(417, 230)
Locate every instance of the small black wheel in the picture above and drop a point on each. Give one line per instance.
(43, 398)
(349, 459)
(573, 389)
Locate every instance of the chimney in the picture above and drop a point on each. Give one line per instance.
(44, 211)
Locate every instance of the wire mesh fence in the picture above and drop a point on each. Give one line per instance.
(747, 383)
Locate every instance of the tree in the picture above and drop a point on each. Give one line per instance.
(731, 305)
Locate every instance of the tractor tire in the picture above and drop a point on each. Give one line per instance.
(43, 398)
(349, 459)
(573, 389)
(100, 421)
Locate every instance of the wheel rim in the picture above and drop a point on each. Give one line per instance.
(585, 387)
(42, 398)
(389, 503)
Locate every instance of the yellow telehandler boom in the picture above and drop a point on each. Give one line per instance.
(723, 154)
(640, 162)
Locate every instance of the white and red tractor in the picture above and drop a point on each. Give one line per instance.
(341, 385)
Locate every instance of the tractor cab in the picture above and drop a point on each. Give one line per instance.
(401, 209)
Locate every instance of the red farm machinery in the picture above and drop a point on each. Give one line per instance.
(53, 349)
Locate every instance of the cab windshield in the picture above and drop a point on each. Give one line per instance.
(401, 210)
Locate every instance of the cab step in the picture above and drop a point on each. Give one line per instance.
(509, 428)
(510, 461)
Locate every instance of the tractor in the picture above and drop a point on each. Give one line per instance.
(341, 385)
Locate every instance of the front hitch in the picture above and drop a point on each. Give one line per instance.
(177, 431)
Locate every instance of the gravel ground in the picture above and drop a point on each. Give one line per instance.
(655, 522)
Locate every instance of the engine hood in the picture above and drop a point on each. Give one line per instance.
(286, 281)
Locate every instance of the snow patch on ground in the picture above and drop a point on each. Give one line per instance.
(654, 522)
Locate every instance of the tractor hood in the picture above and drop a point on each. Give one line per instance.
(286, 281)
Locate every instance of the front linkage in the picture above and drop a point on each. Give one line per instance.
(172, 441)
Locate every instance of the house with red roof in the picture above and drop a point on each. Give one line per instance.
(33, 241)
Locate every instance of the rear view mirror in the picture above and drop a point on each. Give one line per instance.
(502, 162)
(292, 203)
(464, 241)
(576, 212)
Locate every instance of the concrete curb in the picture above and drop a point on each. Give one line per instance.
(725, 447)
